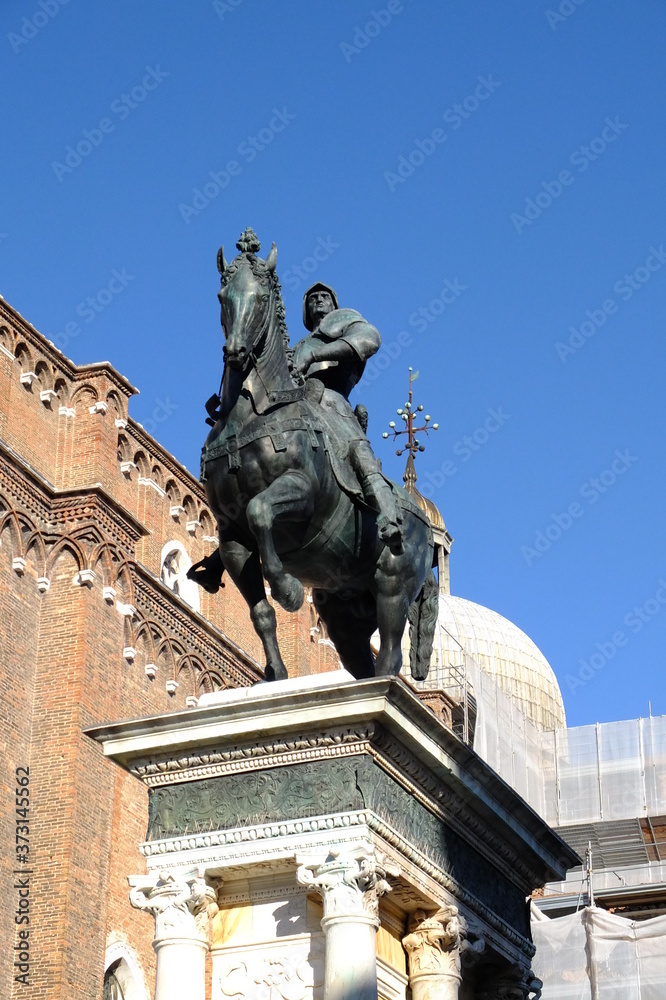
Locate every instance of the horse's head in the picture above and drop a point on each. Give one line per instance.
(246, 297)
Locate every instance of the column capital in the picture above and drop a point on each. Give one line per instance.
(433, 943)
(183, 905)
(350, 880)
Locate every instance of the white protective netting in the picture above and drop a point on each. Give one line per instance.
(507, 740)
(608, 771)
(596, 955)
(584, 774)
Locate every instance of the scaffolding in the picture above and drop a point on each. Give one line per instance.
(601, 773)
(595, 955)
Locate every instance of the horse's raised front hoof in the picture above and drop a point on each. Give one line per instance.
(288, 591)
(277, 672)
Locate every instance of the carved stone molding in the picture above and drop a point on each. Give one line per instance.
(286, 798)
(340, 742)
(407, 769)
(451, 885)
(393, 759)
(372, 740)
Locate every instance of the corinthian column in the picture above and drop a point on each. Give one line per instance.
(350, 886)
(433, 949)
(182, 907)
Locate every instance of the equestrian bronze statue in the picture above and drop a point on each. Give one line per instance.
(298, 495)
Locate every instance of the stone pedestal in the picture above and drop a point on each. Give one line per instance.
(310, 799)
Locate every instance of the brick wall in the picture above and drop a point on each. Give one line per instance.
(87, 502)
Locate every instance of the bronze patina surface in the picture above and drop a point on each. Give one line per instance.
(290, 475)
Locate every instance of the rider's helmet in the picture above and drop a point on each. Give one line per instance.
(319, 286)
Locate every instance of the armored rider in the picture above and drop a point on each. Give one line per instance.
(335, 353)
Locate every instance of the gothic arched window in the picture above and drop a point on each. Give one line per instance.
(112, 988)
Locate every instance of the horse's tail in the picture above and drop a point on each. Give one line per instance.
(422, 620)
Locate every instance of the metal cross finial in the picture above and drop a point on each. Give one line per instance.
(408, 415)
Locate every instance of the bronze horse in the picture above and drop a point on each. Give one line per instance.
(281, 513)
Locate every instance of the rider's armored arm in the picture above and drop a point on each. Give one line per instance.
(343, 335)
(334, 350)
(347, 326)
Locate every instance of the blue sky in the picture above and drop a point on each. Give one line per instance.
(482, 181)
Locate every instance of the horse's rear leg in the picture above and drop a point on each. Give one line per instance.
(349, 634)
(289, 495)
(392, 610)
(244, 569)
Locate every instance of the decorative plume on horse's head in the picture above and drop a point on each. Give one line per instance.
(248, 241)
(249, 246)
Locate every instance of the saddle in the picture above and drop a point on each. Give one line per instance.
(322, 413)
(328, 418)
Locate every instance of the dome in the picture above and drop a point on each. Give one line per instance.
(502, 651)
